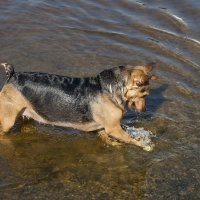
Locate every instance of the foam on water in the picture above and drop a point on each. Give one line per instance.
(142, 135)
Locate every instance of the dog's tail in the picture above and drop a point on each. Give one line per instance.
(9, 70)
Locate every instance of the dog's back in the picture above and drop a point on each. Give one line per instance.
(57, 98)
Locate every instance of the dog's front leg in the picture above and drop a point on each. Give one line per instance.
(108, 115)
(118, 133)
(105, 138)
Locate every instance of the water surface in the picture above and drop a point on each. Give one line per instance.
(81, 38)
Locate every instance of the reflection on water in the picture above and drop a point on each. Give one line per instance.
(81, 38)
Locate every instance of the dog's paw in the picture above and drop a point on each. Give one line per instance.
(1, 132)
(108, 140)
(115, 143)
(149, 147)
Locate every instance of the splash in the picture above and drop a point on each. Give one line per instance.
(142, 135)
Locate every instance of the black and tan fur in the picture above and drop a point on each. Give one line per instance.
(87, 104)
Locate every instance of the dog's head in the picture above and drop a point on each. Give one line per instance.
(138, 86)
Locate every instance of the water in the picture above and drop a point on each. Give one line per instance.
(141, 135)
(81, 38)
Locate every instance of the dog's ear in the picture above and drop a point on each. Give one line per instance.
(140, 81)
(145, 68)
(149, 67)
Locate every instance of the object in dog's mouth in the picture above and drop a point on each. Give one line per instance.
(142, 135)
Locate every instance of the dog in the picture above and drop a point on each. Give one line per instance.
(87, 104)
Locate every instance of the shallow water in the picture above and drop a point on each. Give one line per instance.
(81, 38)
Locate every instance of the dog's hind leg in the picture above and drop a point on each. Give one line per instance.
(11, 104)
(8, 114)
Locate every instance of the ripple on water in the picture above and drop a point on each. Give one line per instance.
(81, 38)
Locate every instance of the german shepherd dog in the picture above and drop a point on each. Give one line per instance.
(87, 104)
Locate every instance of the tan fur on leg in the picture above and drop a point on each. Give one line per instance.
(109, 116)
(11, 104)
(118, 133)
(105, 138)
(9, 116)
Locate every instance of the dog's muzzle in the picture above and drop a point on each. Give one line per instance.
(138, 106)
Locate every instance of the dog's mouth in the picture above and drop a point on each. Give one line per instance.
(137, 106)
(131, 104)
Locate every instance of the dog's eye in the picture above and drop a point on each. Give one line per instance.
(143, 90)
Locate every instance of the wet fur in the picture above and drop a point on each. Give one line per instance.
(59, 98)
(84, 103)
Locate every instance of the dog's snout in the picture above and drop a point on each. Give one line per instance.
(140, 106)
(140, 109)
